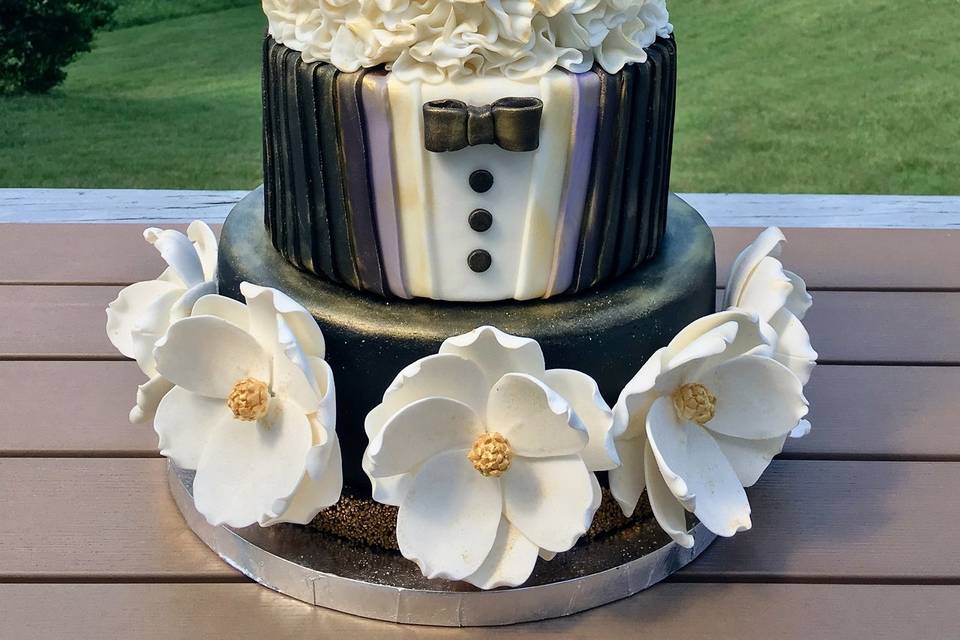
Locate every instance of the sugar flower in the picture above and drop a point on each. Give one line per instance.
(485, 453)
(701, 420)
(142, 312)
(253, 410)
(759, 283)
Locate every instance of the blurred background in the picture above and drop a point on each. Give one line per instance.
(798, 96)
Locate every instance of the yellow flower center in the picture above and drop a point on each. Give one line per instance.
(490, 455)
(249, 399)
(695, 403)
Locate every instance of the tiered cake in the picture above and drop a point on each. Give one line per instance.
(459, 194)
(567, 235)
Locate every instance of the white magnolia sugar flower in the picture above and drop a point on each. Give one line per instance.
(253, 410)
(142, 312)
(485, 452)
(701, 420)
(759, 283)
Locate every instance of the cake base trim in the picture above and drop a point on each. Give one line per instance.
(324, 571)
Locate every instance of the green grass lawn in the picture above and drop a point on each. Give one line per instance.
(846, 96)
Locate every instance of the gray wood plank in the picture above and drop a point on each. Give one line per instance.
(113, 519)
(720, 209)
(669, 611)
(841, 521)
(80, 409)
(828, 259)
(67, 322)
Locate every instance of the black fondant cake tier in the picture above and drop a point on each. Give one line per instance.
(333, 211)
(607, 333)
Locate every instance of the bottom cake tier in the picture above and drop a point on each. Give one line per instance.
(607, 333)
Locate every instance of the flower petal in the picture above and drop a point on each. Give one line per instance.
(511, 560)
(130, 305)
(185, 422)
(208, 355)
(757, 398)
(449, 518)
(670, 514)
(390, 489)
(722, 335)
(291, 381)
(247, 467)
(799, 301)
(794, 350)
(326, 390)
(263, 316)
(267, 305)
(749, 458)
(696, 472)
(183, 307)
(768, 243)
(627, 481)
(314, 493)
(150, 327)
(205, 244)
(420, 431)
(437, 376)
(149, 395)
(225, 308)
(801, 430)
(533, 418)
(767, 290)
(497, 353)
(583, 395)
(178, 252)
(630, 412)
(551, 500)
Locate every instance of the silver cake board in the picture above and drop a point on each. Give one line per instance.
(326, 571)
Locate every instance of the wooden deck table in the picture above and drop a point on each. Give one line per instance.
(857, 526)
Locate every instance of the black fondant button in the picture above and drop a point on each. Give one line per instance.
(481, 180)
(480, 220)
(479, 260)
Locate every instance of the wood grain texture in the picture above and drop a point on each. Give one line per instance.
(720, 209)
(80, 408)
(67, 322)
(670, 611)
(882, 412)
(835, 521)
(56, 322)
(72, 408)
(818, 521)
(915, 259)
(102, 519)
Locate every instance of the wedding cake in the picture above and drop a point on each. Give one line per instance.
(464, 319)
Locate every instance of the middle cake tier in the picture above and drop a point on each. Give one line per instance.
(607, 333)
(476, 189)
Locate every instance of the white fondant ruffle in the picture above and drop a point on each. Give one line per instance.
(435, 40)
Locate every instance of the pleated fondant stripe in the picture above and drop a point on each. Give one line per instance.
(354, 160)
(326, 201)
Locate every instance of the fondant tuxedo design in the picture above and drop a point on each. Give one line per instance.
(353, 192)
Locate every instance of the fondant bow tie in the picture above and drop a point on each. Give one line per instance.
(510, 123)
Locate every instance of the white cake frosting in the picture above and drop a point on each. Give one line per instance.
(435, 40)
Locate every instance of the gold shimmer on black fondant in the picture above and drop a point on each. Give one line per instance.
(607, 333)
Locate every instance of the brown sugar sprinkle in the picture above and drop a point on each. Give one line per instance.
(363, 520)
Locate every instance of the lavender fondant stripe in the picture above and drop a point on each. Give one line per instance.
(592, 225)
(376, 109)
(586, 91)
